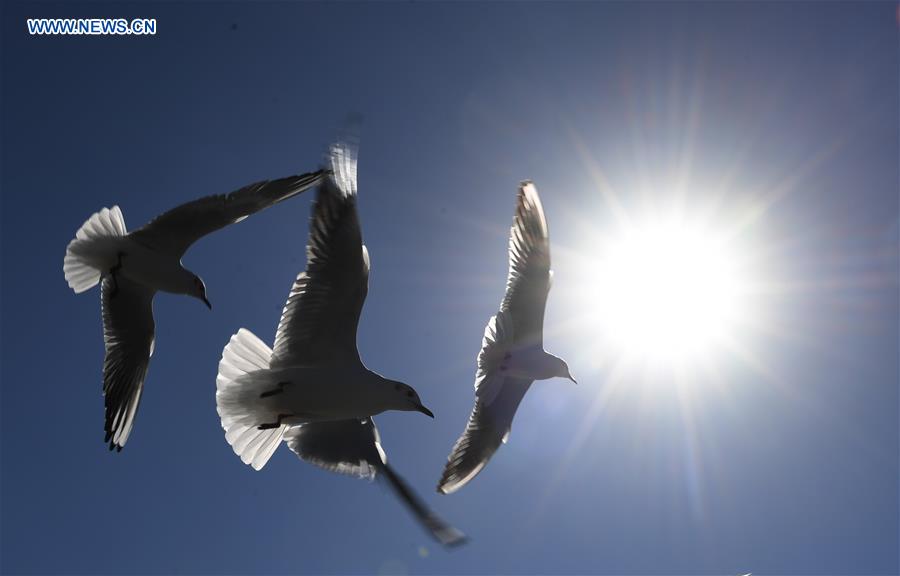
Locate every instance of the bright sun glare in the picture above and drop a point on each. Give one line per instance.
(669, 290)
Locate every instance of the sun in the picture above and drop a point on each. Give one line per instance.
(669, 290)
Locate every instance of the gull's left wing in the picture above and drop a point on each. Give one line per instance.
(320, 318)
(350, 447)
(353, 447)
(529, 269)
(174, 231)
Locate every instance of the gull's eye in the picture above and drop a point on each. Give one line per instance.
(409, 394)
(396, 387)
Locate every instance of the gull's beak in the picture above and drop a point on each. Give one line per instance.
(424, 410)
(205, 301)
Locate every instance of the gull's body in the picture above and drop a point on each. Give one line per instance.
(312, 390)
(142, 263)
(132, 267)
(324, 392)
(512, 354)
(530, 362)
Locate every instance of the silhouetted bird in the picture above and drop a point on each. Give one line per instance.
(512, 353)
(312, 390)
(133, 266)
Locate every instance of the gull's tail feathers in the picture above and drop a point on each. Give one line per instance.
(240, 401)
(80, 264)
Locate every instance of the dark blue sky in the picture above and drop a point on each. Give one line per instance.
(782, 460)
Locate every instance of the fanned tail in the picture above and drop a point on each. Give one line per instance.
(240, 401)
(79, 265)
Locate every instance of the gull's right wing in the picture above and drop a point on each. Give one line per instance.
(174, 231)
(488, 427)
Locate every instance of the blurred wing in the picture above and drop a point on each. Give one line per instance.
(321, 315)
(529, 268)
(439, 529)
(350, 447)
(353, 447)
(128, 334)
(488, 427)
(174, 231)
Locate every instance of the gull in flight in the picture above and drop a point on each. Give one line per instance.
(312, 390)
(132, 267)
(512, 353)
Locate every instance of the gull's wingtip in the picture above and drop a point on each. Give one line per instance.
(529, 203)
(527, 187)
(451, 537)
(451, 482)
(342, 159)
(529, 191)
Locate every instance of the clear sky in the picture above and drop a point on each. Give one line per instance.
(780, 120)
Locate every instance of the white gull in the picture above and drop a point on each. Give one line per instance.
(132, 267)
(312, 390)
(512, 353)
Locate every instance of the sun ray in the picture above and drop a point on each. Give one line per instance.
(600, 181)
(600, 402)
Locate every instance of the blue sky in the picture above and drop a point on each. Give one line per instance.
(781, 459)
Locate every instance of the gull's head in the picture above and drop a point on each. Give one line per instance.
(562, 369)
(405, 398)
(198, 291)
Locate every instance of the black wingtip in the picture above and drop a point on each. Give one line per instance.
(111, 444)
(457, 542)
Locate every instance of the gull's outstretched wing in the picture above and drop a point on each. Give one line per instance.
(350, 447)
(319, 321)
(128, 334)
(529, 269)
(353, 447)
(442, 532)
(488, 427)
(174, 231)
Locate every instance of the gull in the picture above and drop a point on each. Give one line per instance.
(512, 353)
(132, 267)
(312, 390)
